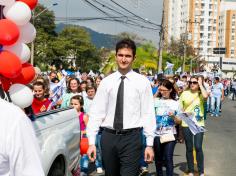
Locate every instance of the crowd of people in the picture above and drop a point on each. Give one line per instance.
(162, 97)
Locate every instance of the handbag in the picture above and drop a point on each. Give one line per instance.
(167, 137)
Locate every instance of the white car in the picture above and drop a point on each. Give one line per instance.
(58, 133)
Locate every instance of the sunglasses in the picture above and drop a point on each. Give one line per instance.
(193, 82)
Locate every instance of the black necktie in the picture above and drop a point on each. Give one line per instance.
(118, 120)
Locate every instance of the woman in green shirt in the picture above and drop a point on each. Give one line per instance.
(192, 100)
(73, 88)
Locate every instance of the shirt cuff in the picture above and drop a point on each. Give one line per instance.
(149, 141)
(91, 140)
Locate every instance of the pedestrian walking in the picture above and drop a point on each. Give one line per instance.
(122, 106)
(192, 101)
(217, 97)
(77, 102)
(233, 89)
(166, 107)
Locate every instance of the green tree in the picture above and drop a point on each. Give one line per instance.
(44, 19)
(44, 22)
(146, 57)
(79, 48)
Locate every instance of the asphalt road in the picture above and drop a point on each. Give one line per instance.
(219, 146)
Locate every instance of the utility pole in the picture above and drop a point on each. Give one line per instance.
(185, 43)
(161, 41)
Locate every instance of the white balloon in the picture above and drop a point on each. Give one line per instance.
(21, 95)
(19, 13)
(6, 2)
(21, 50)
(27, 33)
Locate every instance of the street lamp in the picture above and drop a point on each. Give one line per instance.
(33, 18)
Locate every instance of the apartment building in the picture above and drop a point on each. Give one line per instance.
(197, 19)
(227, 31)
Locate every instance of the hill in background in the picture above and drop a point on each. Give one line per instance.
(98, 39)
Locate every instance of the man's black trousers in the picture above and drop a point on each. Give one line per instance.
(121, 153)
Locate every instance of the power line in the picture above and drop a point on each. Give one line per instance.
(135, 14)
(115, 19)
(103, 5)
(121, 21)
(120, 13)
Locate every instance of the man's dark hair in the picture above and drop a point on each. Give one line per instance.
(126, 43)
(217, 78)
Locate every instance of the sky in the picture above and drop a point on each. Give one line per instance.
(148, 9)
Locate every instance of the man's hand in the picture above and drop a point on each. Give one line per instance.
(149, 154)
(92, 153)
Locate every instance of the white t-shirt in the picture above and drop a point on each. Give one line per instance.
(217, 89)
(19, 150)
(165, 124)
(234, 84)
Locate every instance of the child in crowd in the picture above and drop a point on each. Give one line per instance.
(40, 102)
(77, 102)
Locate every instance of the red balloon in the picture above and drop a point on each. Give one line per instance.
(10, 65)
(84, 145)
(31, 3)
(6, 83)
(26, 76)
(9, 32)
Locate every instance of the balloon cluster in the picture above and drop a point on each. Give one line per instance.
(16, 32)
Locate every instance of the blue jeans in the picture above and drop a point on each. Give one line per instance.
(164, 150)
(84, 163)
(234, 93)
(197, 140)
(209, 104)
(98, 161)
(215, 101)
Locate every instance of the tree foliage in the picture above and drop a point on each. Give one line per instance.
(71, 45)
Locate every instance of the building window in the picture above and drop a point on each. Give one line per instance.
(233, 31)
(233, 17)
(233, 23)
(232, 51)
(202, 28)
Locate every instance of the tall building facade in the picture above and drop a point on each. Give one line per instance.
(227, 31)
(198, 19)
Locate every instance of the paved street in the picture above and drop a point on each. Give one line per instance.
(219, 145)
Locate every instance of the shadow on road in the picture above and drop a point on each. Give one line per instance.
(181, 166)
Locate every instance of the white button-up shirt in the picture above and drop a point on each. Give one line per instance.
(19, 150)
(138, 105)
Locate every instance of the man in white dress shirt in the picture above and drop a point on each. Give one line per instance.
(123, 107)
(19, 150)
